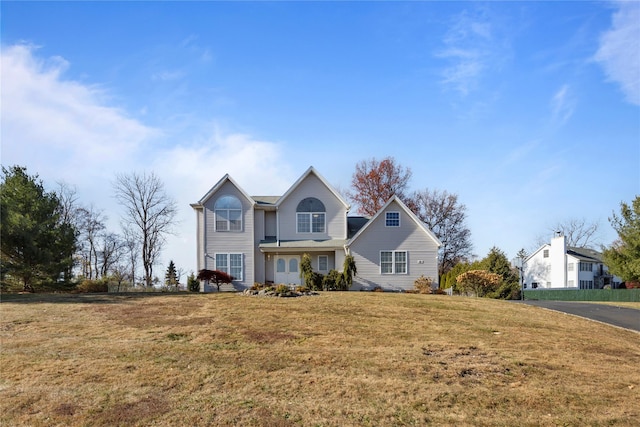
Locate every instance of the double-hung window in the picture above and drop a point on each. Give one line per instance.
(230, 264)
(310, 216)
(228, 210)
(393, 262)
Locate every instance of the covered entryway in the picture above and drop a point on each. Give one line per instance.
(287, 268)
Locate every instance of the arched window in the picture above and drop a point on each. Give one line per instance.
(228, 210)
(311, 216)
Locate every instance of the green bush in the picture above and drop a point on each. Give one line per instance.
(507, 290)
(193, 285)
(333, 281)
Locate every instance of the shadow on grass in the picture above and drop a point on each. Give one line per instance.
(89, 298)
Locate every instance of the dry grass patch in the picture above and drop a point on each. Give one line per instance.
(335, 360)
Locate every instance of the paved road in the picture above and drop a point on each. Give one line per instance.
(618, 316)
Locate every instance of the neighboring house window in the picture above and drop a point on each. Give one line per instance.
(570, 266)
(571, 283)
(586, 266)
(392, 219)
(393, 262)
(310, 216)
(323, 263)
(586, 284)
(545, 253)
(228, 211)
(230, 264)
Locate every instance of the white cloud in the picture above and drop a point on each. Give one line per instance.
(51, 122)
(472, 48)
(619, 50)
(66, 130)
(563, 105)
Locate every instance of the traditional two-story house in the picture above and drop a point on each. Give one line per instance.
(557, 265)
(262, 238)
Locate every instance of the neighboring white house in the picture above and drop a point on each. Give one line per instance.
(557, 266)
(262, 239)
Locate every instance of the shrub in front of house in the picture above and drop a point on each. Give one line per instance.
(422, 285)
(282, 289)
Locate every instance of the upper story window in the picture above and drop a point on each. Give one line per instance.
(310, 216)
(392, 219)
(545, 253)
(228, 211)
(586, 266)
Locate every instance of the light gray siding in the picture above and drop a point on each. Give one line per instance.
(270, 224)
(421, 250)
(230, 241)
(336, 216)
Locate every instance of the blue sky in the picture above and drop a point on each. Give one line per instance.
(529, 111)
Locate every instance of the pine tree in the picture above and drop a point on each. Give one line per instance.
(171, 277)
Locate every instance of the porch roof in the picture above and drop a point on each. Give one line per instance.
(302, 245)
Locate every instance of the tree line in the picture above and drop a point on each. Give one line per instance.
(48, 234)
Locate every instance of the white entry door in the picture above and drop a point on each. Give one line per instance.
(287, 269)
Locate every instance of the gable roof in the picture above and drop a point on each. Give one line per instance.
(584, 254)
(421, 225)
(308, 172)
(545, 246)
(217, 187)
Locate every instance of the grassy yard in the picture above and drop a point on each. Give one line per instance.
(337, 359)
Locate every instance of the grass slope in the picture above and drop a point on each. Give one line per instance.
(337, 359)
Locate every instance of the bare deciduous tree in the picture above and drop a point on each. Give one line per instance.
(446, 217)
(91, 224)
(578, 233)
(149, 212)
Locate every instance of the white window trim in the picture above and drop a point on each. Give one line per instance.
(393, 263)
(310, 215)
(228, 271)
(387, 219)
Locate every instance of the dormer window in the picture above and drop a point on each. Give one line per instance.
(228, 210)
(310, 215)
(392, 219)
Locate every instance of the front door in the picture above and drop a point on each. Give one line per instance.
(287, 269)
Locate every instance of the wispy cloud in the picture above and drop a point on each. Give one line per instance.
(471, 48)
(167, 75)
(619, 50)
(563, 105)
(60, 121)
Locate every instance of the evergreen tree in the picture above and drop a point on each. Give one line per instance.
(192, 283)
(171, 276)
(37, 244)
(623, 257)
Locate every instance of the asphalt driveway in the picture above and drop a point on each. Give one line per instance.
(623, 317)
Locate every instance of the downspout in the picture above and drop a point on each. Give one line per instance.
(277, 226)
